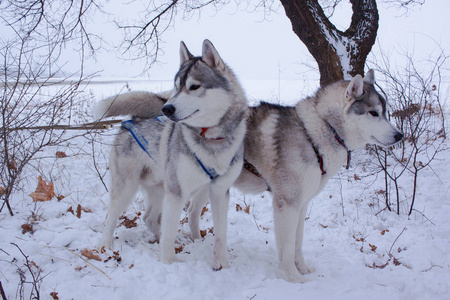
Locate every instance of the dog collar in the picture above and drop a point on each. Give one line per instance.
(203, 134)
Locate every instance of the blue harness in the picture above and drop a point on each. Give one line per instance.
(143, 143)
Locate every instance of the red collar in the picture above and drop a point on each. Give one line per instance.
(203, 134)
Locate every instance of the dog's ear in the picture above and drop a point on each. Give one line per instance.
(210, 56)
(370, 77)
(185, 55)
(354, 88)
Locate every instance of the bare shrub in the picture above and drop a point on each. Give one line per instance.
(415, 104)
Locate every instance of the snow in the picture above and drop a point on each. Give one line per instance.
(359, 250)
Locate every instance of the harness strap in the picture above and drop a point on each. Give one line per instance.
(139, 137)
(143, 143)
(211, 172)
(341, 141)
(252, 169)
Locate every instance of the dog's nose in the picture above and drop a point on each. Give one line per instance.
(168, 110)
(398, 136)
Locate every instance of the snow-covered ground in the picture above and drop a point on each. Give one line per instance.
(359, 250)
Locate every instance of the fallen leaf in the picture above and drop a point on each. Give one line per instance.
(90, 254)
(205, 209)
(71, 210)
(27, 228)
(129, 223)
(247, 209)
(356, 177)
(44, 191)
(79, 211)
(54, 295)
(238, 207)
(203, 233)
(178, 249)
(60, 154)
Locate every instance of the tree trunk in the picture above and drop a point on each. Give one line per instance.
(339, 55)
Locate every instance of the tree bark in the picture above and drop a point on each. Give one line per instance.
(339, 55)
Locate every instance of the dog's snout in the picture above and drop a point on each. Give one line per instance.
(398, 136)
(168, 110)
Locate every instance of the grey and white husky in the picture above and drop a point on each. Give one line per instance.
(197, 154)
(294, 151)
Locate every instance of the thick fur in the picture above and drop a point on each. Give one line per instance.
(207, 112)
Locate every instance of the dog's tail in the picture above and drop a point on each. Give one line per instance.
(138, 104)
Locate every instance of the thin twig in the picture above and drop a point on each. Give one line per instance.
(87, 262)
(404, 229)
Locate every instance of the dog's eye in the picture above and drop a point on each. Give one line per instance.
(194, 87)
(373, 113)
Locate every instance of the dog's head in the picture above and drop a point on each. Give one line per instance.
(202, 89)
(366, 113)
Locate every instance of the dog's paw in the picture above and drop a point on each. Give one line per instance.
(304, 268)
(296, 278)
(105, 243)
(169, 258)
(217, 266)
(291, 274)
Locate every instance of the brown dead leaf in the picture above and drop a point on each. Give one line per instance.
(373, 247)
(203, 233)
(131, 266)
(71, 210)
(90, 254)
(384, 231)
(27, 228)
(60, 197)
(238, 207)
(356, 177)
(205, 209)
(129, 223)
(12, 165)
(60, 154)
(178, 249)
(247, 209)
(79, 211)
(44, 191)
(54, 295)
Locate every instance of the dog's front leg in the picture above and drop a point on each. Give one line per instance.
(219, 205)
(198, 201)
(172, 208)
(286, 216)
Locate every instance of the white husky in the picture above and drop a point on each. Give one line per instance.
(198, 153)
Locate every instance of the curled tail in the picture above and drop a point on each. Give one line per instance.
(138, 104)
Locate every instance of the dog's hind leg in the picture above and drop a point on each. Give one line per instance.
(219, 206)
(299, 260)
(153, 207)
(122, 191)
(198, 201)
